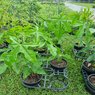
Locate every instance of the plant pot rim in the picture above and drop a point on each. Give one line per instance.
(31, 83)
(88, 79)
(86, 66)
(59, 67)
(76, 52)
(43, 52)
(78, 43)
(78, 47)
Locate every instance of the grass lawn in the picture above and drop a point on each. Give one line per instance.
(88, 5)
(10, 83)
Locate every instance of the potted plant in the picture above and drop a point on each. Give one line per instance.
(21, 57)
(31, 80)
(42, 51)
(23, 60)
(58, 62)
(82, 49)
(42, 42)
(80, 44)
(57, 27)
(89, 64)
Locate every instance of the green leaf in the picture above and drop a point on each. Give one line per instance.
(16, 68)
(38, 70)
(3, 68)
(81, 32)
(30, 55)
(66, 56)
(1, 35)
(92, 30)
(52, 49)
(23, 48)
(10, 57)
(91, 58)
(26, 72)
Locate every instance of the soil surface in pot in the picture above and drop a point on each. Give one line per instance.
(92, 80)
(58, 64)
(33, 78)
(89, 65)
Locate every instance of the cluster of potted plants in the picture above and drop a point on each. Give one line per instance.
(28, 47)
(25, 47)
(88, 71)
(85, 51)
(83, 48)
(27, 52)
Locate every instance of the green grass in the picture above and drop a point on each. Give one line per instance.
(10, 83)
(88, 5)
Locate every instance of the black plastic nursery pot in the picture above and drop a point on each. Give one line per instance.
(88, 86)
(31, 80)
(59, 66)
(78, 53)
(78, 47)
(42, 52)
(91, 81)
(87, 66)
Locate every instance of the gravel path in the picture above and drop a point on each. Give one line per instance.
(77, 7)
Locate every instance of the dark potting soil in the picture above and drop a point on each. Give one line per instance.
(89, 65)
(33, 78)
(92, 80)
(58, 64)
